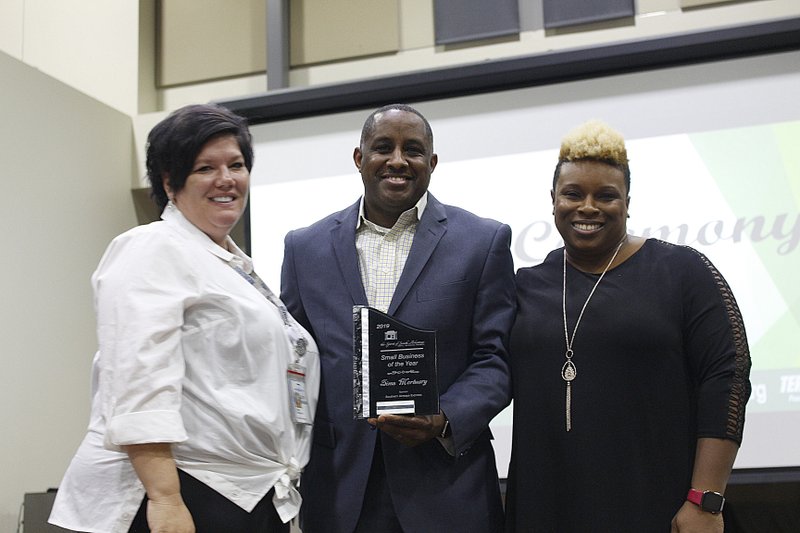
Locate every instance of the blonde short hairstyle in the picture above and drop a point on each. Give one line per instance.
(594, 141)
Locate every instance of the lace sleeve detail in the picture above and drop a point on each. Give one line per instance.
(740, 387)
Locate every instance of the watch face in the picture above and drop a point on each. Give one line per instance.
(712, 502)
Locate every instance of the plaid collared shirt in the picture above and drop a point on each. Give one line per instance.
(382, 253)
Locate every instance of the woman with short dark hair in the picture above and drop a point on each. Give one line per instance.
(204, 387)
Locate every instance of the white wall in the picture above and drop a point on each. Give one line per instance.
(65, 178)
(106, 48)
(654, 18)
(92, 45)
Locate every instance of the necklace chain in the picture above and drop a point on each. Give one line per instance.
(569, 371)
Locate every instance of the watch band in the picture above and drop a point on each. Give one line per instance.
(708, 500)
(445, 434)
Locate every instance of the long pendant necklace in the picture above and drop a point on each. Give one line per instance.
(569, 371)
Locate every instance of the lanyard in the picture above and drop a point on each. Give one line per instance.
(294, 332)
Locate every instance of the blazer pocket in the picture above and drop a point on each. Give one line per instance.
(446, 291)
(324, 434)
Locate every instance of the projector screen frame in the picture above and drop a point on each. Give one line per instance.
(524, 71)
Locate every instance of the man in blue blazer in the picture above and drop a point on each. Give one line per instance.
(432, 266)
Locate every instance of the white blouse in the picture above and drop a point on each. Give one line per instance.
(192, 354)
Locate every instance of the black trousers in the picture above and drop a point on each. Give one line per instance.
(377, 513)
(213, 513)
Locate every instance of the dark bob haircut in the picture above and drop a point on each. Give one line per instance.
(174, 144)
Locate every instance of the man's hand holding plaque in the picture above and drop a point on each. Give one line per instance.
(411, 430)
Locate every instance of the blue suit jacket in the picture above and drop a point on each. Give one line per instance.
(459, 280)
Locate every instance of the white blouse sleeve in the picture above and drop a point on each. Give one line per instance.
(142, 286)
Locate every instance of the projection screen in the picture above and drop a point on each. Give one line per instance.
(714, 151)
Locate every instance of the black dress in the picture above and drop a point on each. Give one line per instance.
(662, 359)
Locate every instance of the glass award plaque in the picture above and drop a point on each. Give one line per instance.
(394, 366)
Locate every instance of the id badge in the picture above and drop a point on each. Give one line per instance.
(298, 400)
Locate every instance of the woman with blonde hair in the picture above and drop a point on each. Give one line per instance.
(630, 367)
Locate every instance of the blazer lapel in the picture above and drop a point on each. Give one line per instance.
(431, 229)
(343, 236)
